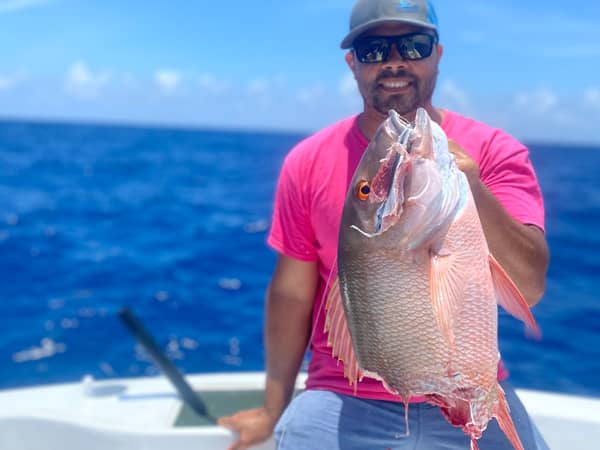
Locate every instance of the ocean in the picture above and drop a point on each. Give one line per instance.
(172, 223)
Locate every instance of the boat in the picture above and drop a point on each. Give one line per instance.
(148, 413)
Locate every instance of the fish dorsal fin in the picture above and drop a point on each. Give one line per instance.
(510, 298)
(447, 283)
(338, 335)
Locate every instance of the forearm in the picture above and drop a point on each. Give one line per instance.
(520, 249)
(287, 330)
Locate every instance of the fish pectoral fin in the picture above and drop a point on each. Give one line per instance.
(510, 298)
(338, 335)
(447, 288)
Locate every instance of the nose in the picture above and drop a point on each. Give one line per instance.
(395, 59)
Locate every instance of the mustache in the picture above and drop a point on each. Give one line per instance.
(391, 74)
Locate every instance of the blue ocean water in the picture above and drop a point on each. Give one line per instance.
(173, 224)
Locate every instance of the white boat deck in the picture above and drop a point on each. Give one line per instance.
(141, 412)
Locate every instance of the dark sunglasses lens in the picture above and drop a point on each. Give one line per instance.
(372, 50)
(415, 47)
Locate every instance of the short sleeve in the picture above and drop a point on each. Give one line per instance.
(508, 173)
(292, 233)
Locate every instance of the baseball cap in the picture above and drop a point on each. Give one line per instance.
(370, 13)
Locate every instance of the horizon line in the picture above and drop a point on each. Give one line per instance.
(158, 125)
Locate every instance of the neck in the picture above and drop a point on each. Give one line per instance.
(369, 120)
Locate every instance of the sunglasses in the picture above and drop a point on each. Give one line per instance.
(377, 49)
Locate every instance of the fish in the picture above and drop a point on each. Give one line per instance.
(414, 301)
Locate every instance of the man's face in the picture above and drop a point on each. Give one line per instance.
(398, 84)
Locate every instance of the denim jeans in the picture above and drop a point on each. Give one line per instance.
(324, 420)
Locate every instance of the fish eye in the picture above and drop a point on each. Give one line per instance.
(363, 190)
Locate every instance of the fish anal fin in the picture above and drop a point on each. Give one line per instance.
(505, 421)
(447, 287)
(511, 299)
(338, 335)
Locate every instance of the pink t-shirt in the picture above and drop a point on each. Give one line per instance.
(310, 197)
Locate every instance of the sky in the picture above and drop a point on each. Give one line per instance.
(531, 68)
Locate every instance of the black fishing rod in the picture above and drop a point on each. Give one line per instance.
(187, 394)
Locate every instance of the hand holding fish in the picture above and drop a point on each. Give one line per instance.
(465, 163)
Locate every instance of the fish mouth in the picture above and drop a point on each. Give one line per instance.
(387, 186)
(388, 189)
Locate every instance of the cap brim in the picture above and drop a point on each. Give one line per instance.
(349, 39)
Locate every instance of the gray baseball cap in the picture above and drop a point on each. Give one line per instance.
(370, 13)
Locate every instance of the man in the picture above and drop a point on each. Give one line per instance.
(394, 55)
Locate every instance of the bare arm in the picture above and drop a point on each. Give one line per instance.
(288, 326)
(289, 305)
(520, 249)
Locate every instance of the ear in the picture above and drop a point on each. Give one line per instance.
(440, 51)
(350, 60)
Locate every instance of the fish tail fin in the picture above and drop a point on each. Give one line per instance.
(505, 421)
(511, 299)
(338, 335)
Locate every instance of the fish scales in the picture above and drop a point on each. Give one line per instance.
(384, 305)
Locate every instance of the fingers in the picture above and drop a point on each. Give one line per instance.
(455, 148)
(237, 445)
(226, 422)
(240, 442)
(249, 426)
(229, 423)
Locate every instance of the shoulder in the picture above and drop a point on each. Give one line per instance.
(322, 147)
(460, 127)
(333, 134)
(482, 141)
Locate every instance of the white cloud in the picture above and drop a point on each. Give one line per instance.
(279, 80)
(258, 87)
(168, 80)
(128, 80)
(262, 86)
(9, 81)
(6, 82)
(312, 95)
(539, 101)
(210, 84)
(591, 97)
(351, 101)
(83, 83)
(7, 6)
(453, 97)
(347, 85)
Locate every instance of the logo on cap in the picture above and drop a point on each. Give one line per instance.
(407, 6)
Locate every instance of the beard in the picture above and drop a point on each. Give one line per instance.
(419, 94)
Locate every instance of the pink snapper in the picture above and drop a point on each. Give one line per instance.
(415, 302)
